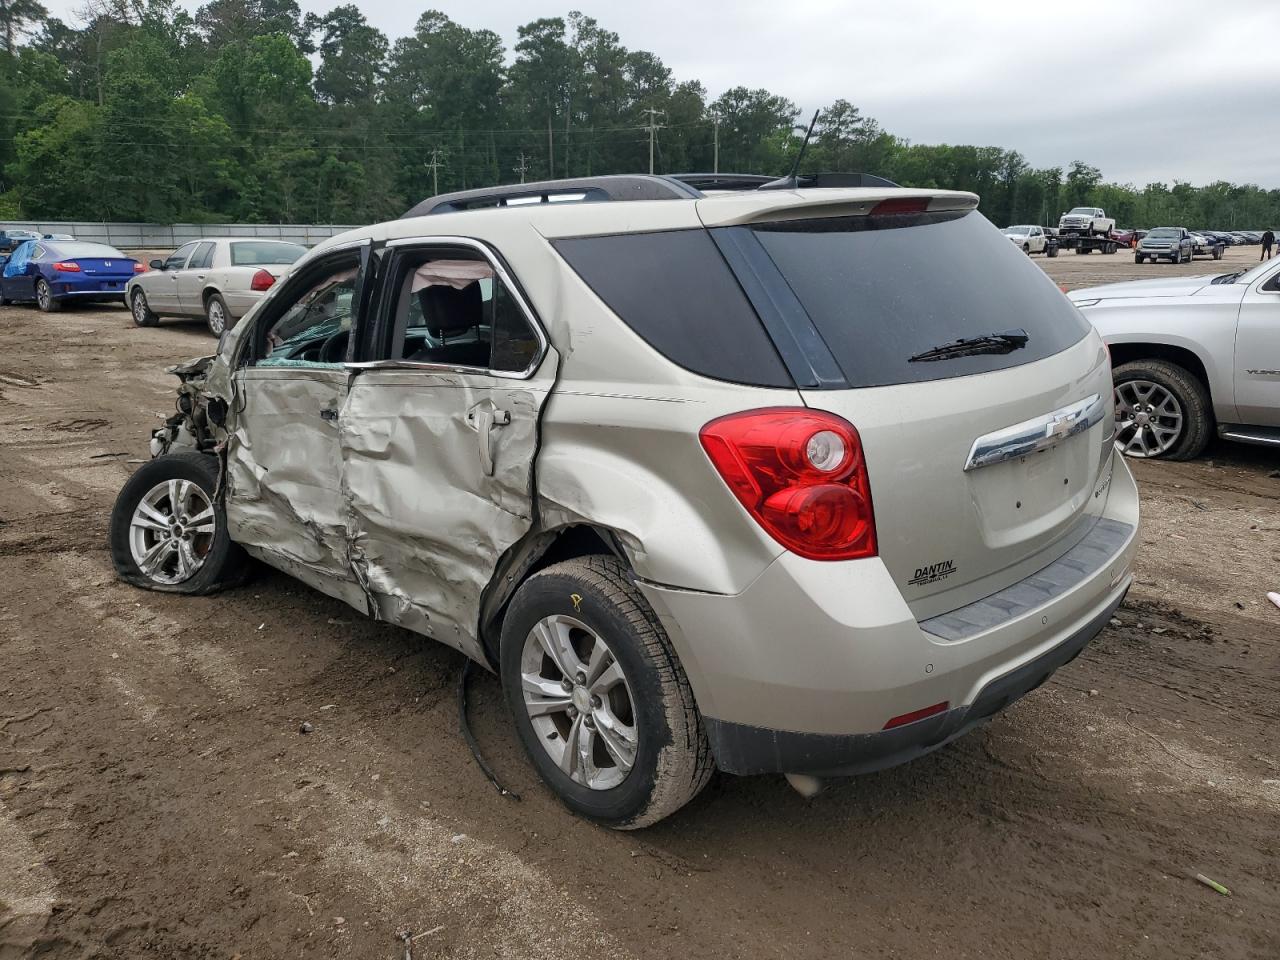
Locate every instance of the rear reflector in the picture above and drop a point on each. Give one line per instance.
(67, 266)
(900, 205)
(921, 714)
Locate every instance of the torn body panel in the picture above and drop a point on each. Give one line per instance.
(284, 467)
(438, 486)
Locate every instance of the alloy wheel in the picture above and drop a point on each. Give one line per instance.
(1148, 418)
(42, 295)
(139, 310)
(171, 531)
(579, 702)
(217, 317)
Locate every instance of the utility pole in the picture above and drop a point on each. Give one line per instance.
(522, 167)
(653, 129)
(715, 149)
(551, 151)
(434, 165)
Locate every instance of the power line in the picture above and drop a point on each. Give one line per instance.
(653, 127)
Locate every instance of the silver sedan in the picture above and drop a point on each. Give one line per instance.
(217, 280)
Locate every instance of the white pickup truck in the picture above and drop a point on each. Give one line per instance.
(1090, 221)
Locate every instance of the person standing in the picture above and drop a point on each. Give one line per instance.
(1268, 239)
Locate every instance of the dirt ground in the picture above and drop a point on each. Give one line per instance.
(158, 799)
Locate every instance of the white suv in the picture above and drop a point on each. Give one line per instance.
(807, 481)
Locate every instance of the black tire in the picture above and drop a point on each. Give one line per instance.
(1109, 248)
(1026, 248)
(673, 759)
(1082, 249)
(44, 297)
(224, 564)
(1191, 394)
(1139, 258)
(141, 311)
(1176, 258)
(212, 305)
(1050, 251)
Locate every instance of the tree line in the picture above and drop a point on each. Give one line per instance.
(250, 111)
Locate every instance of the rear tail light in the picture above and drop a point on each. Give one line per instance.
(139, 268)
(801, 475)
(67, 266)
(262, 280)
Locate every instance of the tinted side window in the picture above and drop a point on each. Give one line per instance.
(202, 259)
(674, 289)
(178, 258)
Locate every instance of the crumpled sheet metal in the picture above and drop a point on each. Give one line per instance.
(283, 492)
(425, 526)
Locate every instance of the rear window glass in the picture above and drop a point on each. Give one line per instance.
(95, 251)
(248, 253)
(674, 289)
(881, 290)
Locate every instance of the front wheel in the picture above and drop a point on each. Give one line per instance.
(44, 297)
(1139, 258)
(601, 702)
(1162, 410)
(141, 310)
(168, 531)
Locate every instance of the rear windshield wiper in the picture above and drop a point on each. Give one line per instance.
(1005, 342)
(1227, 277)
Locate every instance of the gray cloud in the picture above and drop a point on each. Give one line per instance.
(1185, 90)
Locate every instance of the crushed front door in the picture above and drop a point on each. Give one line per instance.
(439, 475)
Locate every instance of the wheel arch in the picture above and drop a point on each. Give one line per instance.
(1189, 360)
(536, 552)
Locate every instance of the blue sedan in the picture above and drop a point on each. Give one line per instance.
(53, 272)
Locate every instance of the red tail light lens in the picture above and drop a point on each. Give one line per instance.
(261, 281)
(896, 205)
(801, 476)
(139, 268)
(67, 266)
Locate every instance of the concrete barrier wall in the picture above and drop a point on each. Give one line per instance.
(159, 236)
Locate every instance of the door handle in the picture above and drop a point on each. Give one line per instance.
(482, 418)
(328, 413)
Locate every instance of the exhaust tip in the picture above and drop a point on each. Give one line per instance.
(805, 785)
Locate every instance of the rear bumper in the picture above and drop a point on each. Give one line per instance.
(801, 672)
(743, 749)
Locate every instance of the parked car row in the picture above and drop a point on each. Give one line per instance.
(217, 280)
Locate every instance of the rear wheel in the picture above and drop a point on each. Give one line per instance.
(1162, 411)
(142, 315)
(168, 532)
(44, 297)
(1026, 248)
(601, 702)
(216, 313)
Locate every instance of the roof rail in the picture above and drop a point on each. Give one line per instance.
(581, 189)
(632, 186)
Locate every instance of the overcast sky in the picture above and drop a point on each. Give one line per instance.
(1164, 91)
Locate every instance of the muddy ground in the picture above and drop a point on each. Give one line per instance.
(157, 798)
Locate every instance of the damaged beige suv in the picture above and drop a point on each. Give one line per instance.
(808, 479)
